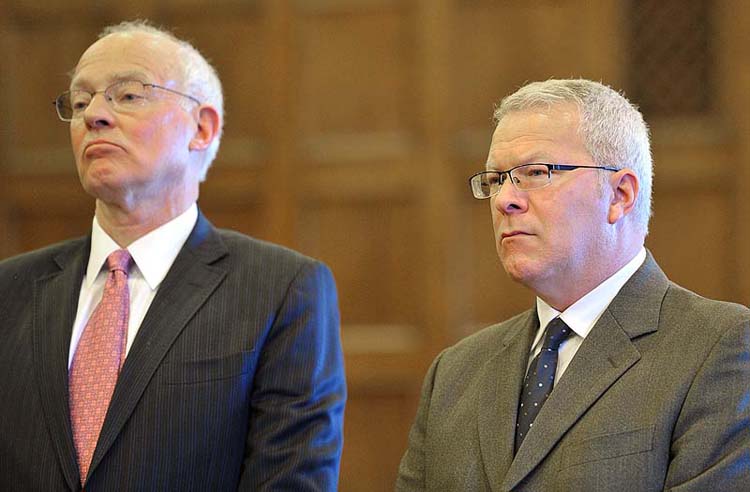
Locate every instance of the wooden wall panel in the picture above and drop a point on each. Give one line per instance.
(354, 70)
(362, 472)
(498, 46)
(41, 210)
(6, 66)
(733, 79)
(692, 231)
(352, 127)
(38, 139)
(239, 56)
(692, 228)
(372, 246)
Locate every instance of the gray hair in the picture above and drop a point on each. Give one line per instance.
(612, 128)
(199, 77)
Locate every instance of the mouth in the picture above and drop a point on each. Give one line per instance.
(510, 234)
(96, 147)
(99, 142)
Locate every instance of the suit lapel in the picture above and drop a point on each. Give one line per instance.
(497, 409)
(55, 305)
(190, 282)
(604, 356)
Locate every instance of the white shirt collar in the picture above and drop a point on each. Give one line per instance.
(153, 254)
(583, 314)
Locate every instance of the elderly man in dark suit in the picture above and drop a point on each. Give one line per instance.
(617, 379)
(161, 353)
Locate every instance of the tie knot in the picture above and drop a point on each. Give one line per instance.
(557, 332)
(119, 260)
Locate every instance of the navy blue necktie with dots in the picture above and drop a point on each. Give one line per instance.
(540, 378)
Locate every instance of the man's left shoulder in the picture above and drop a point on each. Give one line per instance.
(681, 302)
(258, 255)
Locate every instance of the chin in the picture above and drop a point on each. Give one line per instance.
(520, 269)
(99, 170)
(515, 268)
(102, 186)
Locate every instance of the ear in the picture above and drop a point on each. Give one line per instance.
(209, 123)
(625, 190)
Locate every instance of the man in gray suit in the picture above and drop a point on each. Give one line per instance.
(199, 358)
(617, 379)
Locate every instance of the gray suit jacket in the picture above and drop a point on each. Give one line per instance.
(234, 381)
(657, 397)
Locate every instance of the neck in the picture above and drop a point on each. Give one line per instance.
(561, 297)
(126, 226)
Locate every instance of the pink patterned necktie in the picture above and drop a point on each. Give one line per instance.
(98, 358)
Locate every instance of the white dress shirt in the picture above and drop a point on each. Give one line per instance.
(153, 255)
(582, 315)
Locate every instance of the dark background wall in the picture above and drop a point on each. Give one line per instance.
(352, 127)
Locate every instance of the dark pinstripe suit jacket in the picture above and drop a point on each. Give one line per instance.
(656, 398)
(234, 381)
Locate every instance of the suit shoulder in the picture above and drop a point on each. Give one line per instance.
(682, 302)
(37, 262)
(264, 255)
(486, 342)
(240, 243)
(461, 368)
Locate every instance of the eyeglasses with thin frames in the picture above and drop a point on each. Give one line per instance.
(123, 96)
(525, 177)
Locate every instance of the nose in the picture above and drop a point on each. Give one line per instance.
(98, 114)
(509, 200)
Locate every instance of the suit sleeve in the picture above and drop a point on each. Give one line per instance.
(294, 436)
(711, 441)
(411, 472)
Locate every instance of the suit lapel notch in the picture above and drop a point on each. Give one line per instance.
(637, 306)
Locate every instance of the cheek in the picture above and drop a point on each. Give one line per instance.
(497, 216)
(77, 132)
(145, 133)
(576, 228)
(165, 134)
(494, 215)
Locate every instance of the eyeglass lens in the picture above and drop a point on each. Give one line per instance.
(525, 177)
(122, 96)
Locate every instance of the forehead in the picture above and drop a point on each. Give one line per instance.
(548, 134)
(138, 55)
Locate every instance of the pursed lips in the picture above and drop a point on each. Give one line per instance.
(100, 143)
(510, 234)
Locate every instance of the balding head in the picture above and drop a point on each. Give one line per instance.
(181, 62)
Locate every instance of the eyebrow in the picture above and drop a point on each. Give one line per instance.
(113, 79)
(532, 158)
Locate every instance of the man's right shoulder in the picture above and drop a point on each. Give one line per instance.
(39, 262)
(488, 342)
